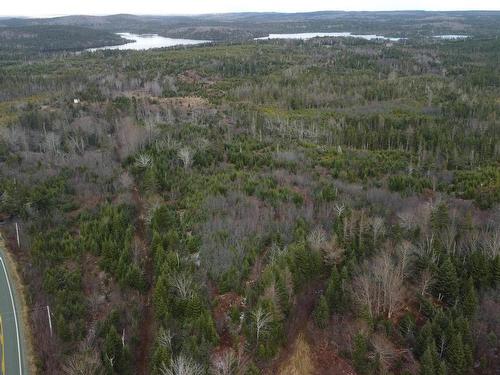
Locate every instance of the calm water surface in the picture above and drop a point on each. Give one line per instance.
(451, 37)
(305, 36)
(149, 41)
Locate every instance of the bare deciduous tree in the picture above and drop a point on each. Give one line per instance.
(317, 238)
(15, 137)
(261, 319)
(165, 338)
(276, 253)
(152, 129)
(183, 285)
(426, 280)
(407, 220)
(51, 142)
(76, 144)
(384, 351)
(379, 286)
(84, 363)
(143, 161)
(377, 224)
(339, 208)
(230, 363)
(333, 252)
(185, 155)
(129, 138)
(182, 365)
(491, 242)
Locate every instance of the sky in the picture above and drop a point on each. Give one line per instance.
(48, 8)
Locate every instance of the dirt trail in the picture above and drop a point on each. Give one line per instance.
(146, 330)
(296, 324)
(325, 358)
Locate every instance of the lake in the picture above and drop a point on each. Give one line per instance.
(451, 37)
(305, 36)
(149, 41)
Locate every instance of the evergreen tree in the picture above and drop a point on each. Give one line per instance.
(430, 363)
(115, 356)
(149, 180)
(427, 364)
(442, 368)
(283, 295)
(463, 326)
(440, 218)
(160, 295)
(321, 313)
(194, 307)
(447, 281)
(334, 293)
(407, 326)
(424, 338)
(469, 303)
(455, 355)
(495, 271)
(479, 268)
(360, 354)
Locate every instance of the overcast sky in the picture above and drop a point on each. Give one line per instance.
(48, 8)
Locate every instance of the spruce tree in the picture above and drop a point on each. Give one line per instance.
(479, 268)
(113, 349)
(359, 355)
(447, 281)
(334, 291)
(442, 368)
(283, 295)
(469, 303)
(160, 295)
(430, 362)
(463, 327)
(321, 313)
(427, 363)
(455, 355)
(495, 271)
(440, 218)
(424, 338)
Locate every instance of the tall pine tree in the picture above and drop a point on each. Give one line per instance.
(447, 281)
(360, 354)
(455, 355)
(469, 301)
(321, 313)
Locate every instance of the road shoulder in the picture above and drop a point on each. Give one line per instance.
(19, 294)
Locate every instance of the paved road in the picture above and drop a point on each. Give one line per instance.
(11, 348)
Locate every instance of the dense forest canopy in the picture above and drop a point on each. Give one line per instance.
(255, 207)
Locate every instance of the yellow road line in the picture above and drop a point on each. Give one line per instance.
(2, 344)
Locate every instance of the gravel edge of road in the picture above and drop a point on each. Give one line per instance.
(19, 293)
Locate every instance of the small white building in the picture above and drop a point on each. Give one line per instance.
(76, 101)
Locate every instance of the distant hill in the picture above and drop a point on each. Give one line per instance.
(97, 30)
(52, 38)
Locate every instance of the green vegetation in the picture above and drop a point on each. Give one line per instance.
(42, 40)
(202, 207)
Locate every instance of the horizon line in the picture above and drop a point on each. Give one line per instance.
(237, 12)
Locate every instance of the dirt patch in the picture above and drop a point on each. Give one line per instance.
(328, 362)
(190, 76)
(186, 102)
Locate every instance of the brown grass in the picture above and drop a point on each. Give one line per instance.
(300, 362)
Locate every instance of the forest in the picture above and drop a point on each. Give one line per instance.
(329, 206)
